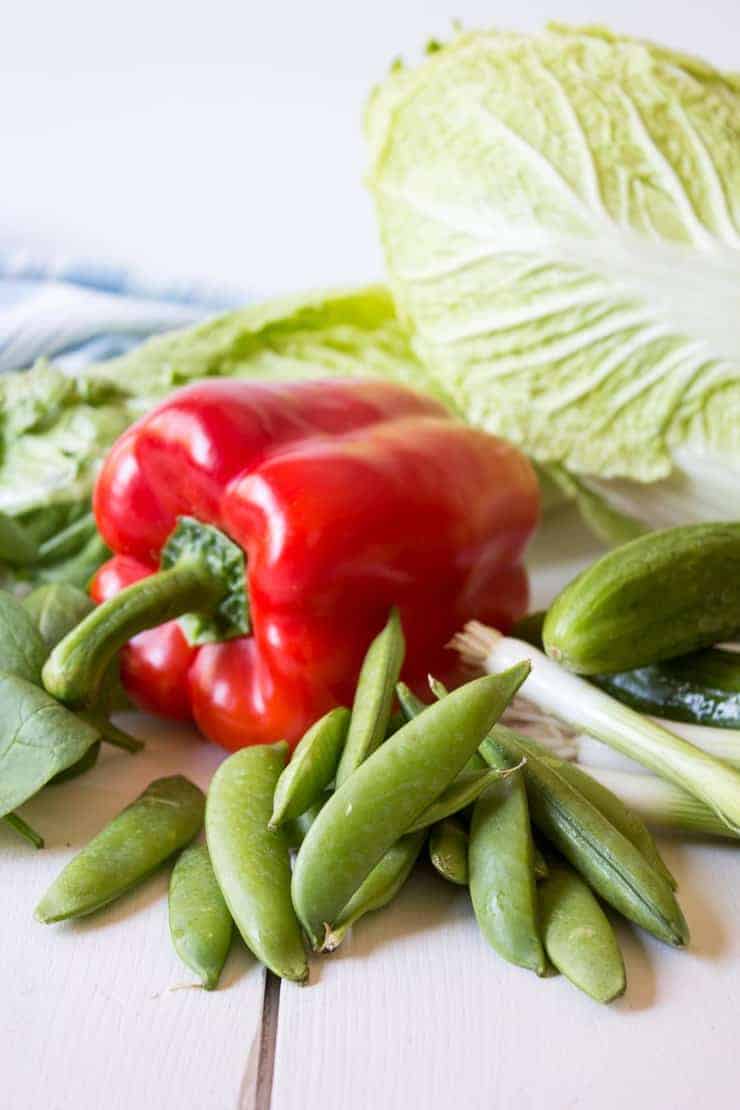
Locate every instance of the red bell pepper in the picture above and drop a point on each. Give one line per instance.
(155, 663)
(344, 498)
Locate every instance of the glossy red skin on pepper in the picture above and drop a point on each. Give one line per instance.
(347, 497)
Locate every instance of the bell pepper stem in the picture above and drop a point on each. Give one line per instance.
(76, 668)
(111, 734)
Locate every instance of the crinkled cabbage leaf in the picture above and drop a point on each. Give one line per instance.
(560, 214)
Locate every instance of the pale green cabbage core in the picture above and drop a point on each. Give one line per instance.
(560, 215)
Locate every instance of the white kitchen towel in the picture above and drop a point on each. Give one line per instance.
(80, 313)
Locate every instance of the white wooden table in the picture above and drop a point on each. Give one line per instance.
(414, 1009)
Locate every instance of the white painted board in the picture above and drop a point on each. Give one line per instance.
(416, 1011)
(101, 1013)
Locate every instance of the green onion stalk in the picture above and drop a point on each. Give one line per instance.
(587, 709)
(661, 803)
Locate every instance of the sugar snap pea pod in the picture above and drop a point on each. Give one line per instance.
(22, 651)
(23, 829)
(312, 767)
(386, 878)
(56, 608)
(607, 860)
(612, 807)
(296, 830)
(621, 817)
(251, 861)
(448, 850)
(376, 805)
(461, 793)
(157, 824)
(395, 721)
(412, 706)
(501, 871)
(201, 926)
(379, 888)
(476, 761)
(437, 687)
(541, 870)
(38, 738)
(578, 936)
(371, 709)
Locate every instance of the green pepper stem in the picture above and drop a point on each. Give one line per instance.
(75, 670)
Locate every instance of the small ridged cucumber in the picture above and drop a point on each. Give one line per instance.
(702, 688)
(662, 595)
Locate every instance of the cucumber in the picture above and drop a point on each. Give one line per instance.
(662, 595)
(701, 689)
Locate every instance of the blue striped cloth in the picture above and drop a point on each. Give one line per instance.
(81, 313)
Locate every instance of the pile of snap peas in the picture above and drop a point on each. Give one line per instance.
(299, 851)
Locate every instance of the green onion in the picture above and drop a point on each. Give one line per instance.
(588, 709)
(721, 743)
(660, 803)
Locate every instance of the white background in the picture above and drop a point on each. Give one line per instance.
(222, 139)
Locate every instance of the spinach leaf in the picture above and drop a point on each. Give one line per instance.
(56, 608)
(79, 568)
(22, 650)
(38, 738)
(88, 761)
(17, 546)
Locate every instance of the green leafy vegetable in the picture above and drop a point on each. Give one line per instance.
(56, 609)
(17, 545)
(560, 214)
(55, 428)
(81, 767)
(22, 650)
(38, 738)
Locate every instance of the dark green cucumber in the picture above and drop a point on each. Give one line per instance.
(701, 689)
(662, 595)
